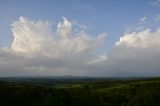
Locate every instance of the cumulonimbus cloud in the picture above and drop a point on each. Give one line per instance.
(37, 37)
(38, 48)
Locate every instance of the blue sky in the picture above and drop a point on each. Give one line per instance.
(111, 16)
(80, 37)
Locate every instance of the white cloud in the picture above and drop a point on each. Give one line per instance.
(143, 19)
(37, 37)
(141, 39)
(156, 3)
(64, 29)
(31, 37)
(157, 19)
(98, 59)
(38, 50)
(137, 53)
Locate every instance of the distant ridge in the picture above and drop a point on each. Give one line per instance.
(75, 77)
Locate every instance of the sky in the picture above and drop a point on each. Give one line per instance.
(112, 38)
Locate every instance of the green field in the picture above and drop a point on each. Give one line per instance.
(79, 92)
